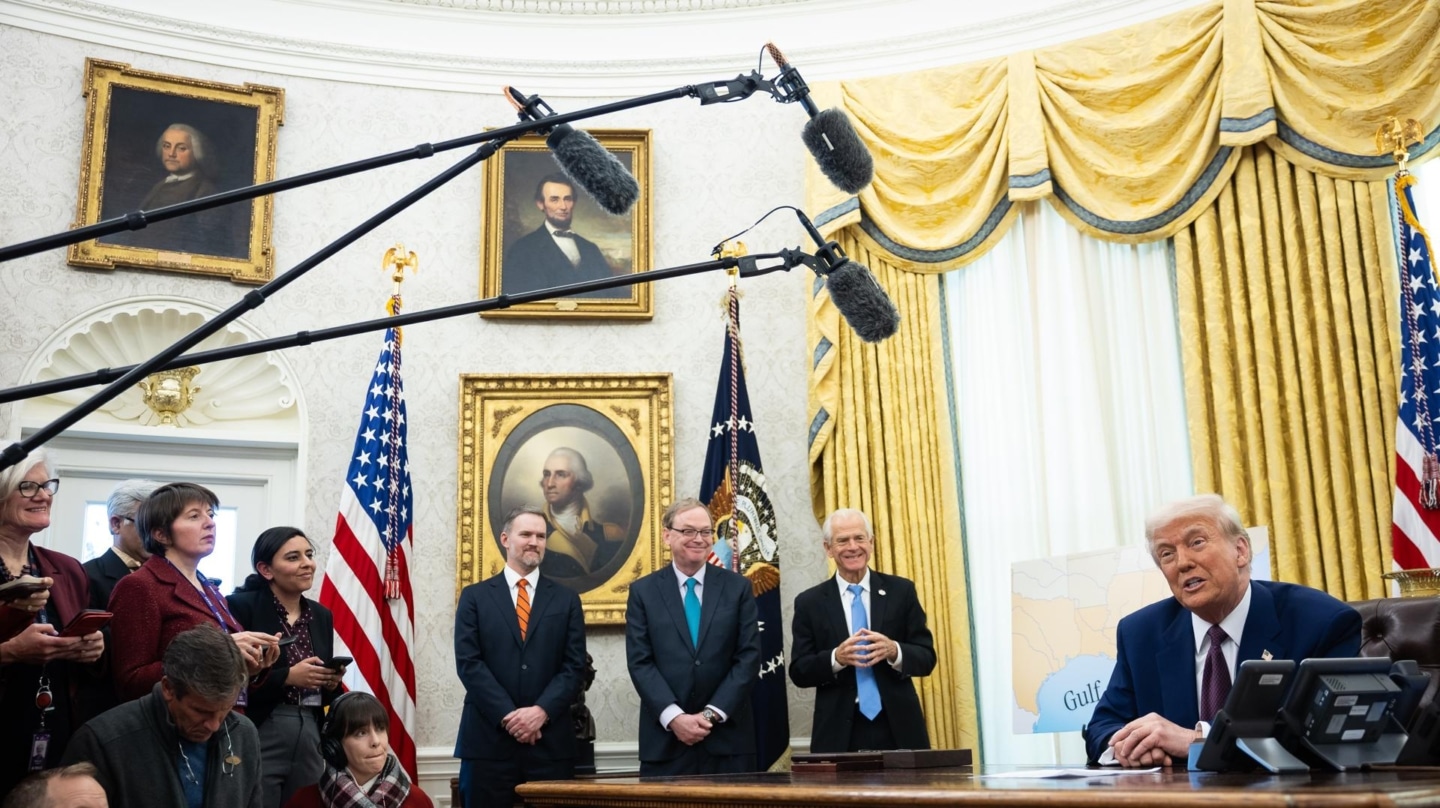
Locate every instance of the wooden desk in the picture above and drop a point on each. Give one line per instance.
(961, 786)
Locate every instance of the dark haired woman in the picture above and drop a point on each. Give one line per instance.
(360, 771)
(167, 595)
(288, 706)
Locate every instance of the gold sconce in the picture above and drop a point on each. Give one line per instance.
(169, 393)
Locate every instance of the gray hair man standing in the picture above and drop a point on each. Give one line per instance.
(127, 552)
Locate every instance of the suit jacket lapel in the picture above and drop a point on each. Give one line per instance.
(1176, 664)
(500, 597)
(1262, 628)
(710, 601)
(540, 604)
(670, 596)
(835, 611)
(877, 601)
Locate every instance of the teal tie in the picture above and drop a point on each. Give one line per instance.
(865, 686)
(692, 611)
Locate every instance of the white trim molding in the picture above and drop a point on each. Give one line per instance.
(576, 48)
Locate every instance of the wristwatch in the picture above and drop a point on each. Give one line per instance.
(710, 715)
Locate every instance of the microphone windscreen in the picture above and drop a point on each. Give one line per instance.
(843, 158)
(862, 302)
(594, 168)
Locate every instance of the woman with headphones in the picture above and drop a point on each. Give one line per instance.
(359, 771)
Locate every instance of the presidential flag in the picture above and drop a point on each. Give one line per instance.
(734, 488)
(1417, 464)
(367, 579)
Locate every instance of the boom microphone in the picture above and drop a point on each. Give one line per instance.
(853, 290)
(829, 136)
(583, 159)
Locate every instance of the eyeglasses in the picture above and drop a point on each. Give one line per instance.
(690, 532)
(30, 489)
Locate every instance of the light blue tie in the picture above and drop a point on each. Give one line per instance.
(864, 677)
(692, 611)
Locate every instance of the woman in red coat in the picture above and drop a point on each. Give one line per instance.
(167, 595)
(359, 768)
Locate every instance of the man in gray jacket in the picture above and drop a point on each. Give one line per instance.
(180, 745)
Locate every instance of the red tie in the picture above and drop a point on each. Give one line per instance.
(522, 606)
(1215, 682)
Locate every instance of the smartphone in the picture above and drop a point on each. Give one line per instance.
(86, 622)
(338, 662)
(22, 587)
(286, 640)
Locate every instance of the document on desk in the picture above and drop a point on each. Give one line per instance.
(1057, 774)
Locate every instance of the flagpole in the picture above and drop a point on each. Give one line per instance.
(732, 345)
(396, 261)
(1416, 525)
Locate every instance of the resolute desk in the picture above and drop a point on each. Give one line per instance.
(961, 786)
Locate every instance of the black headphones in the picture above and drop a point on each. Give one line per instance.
(331, 748)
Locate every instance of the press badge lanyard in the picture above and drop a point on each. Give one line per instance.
(244, 697)
(44, 698)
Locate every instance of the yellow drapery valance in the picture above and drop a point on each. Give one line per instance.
(1132, 133)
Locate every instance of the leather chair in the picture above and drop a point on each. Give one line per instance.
(1403, 628)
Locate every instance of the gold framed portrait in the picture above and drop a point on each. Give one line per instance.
(153, 140)
(528, 200)
(594, 452)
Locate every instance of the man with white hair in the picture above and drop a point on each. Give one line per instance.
(577, 543)
(1175, 660)
(860, 637)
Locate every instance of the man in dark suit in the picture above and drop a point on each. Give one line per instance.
(127, 551)
(553, 254)
(1175, 660)
(692, 642)
(520, 652)
(890, 645)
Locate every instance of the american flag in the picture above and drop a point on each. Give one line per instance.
(1417, 465)
(367, 579)
(734, 489)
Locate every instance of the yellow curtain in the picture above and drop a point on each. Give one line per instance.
(1245, 129)
(888, 451)
(1131, 134)
(1289, 320)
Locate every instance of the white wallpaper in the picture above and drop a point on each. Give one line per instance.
(716, 170)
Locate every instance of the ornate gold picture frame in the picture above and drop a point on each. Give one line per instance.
(153, 140)
(595, 452)
(519, 254)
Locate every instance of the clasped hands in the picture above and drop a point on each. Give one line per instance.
(524, 723)
(690, 728)
(866, 649)
(1151, 740)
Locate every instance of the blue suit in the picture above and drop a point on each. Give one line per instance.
(1155, 653)
(501, 672)
(667, 668)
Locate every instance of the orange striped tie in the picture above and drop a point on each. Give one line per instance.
(522, 605)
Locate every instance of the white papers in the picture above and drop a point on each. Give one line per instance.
(1061, 774)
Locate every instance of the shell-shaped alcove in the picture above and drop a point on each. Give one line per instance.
(223, 394)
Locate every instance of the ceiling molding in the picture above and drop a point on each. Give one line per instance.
(455, 45)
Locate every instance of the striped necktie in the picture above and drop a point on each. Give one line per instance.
(522, 605)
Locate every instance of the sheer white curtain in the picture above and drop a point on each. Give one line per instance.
(1071, 413)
